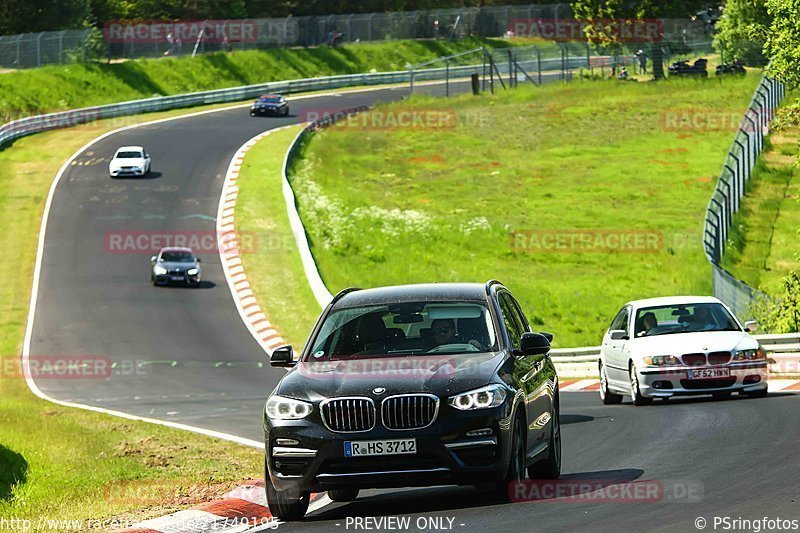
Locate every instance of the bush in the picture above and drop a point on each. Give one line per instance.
(781, 315)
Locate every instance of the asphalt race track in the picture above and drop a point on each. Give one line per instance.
(696, 457)
(734, 458)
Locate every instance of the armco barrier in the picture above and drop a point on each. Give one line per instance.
(732, 186)
(35, 124)
(783, 353)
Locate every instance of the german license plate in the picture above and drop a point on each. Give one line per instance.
(710, 373)
(176, 278)
(361, 448)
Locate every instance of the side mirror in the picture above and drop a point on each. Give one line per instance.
(153, 259)
(547, 335)
(751, 325)
(282, 357)
(618, 335)
(533, 344)
(198, 260)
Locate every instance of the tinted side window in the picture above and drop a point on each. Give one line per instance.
(511, 320)
(523, 320)
(621, 320)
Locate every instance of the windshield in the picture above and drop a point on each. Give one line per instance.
(664, 320)
(177, 257)
(403, 330)
(270, 99)
(129, 155)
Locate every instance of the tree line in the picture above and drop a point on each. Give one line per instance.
(23, 16)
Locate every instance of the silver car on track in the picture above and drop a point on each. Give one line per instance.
(175, 265)
(679, 346)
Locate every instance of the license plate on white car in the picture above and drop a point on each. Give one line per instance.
(362, 448)
(710, 373)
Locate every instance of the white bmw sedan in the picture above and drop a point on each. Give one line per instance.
(129, 161)
(679, 346)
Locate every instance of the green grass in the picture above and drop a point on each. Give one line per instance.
(762, 246)
(54, 88)
(273, 268)
(65, 463)
(389, 206)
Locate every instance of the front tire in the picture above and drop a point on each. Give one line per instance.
(550, 468)
(343, 495)
(282, 506)
(606, 396)
(515, 474)
(636, 393)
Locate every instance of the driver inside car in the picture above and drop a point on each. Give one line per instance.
(444, 331)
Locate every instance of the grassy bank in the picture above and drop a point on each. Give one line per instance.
(274, 269)
(486, 195)
(53, 88)
(762, 246)
(64, 463)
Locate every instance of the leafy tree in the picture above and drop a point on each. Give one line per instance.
(742, 31)
(24, 16)
(783, 314)
(783, 40)
(598, 10)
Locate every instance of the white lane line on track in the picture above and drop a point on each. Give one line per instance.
(37, 273)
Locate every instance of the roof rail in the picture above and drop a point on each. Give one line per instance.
(489, 285)
(342, 292)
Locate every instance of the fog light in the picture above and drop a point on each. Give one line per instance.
(286, 442)
(749, 380)
(479, 432)
(662, 385)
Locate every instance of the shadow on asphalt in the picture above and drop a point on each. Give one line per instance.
(437, 499)
(202, 285)
(150, 176)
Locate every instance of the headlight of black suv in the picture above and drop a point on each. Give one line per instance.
(483, 398)
(281, 408)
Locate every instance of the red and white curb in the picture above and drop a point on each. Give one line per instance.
(230, 253)
(592, 385)
(244, 509)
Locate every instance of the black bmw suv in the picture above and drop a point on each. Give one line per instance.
(415, 385)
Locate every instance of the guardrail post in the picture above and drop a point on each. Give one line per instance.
(447, 77)
(720, 241)
(410, 80)
(39, 49)
(61, 46)
(737, 193)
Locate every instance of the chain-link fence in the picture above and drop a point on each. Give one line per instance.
(130, 39)
(731, 187)
(28, 50)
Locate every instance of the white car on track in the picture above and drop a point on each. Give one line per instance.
(679, 346)
(129, 161)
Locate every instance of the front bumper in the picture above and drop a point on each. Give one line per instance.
(673, 381)
(271, 111)
(165, 279)
(445, 455)
(126, 172)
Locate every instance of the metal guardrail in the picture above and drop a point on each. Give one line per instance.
(35, 124)
(732, 186)
(783, 354)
